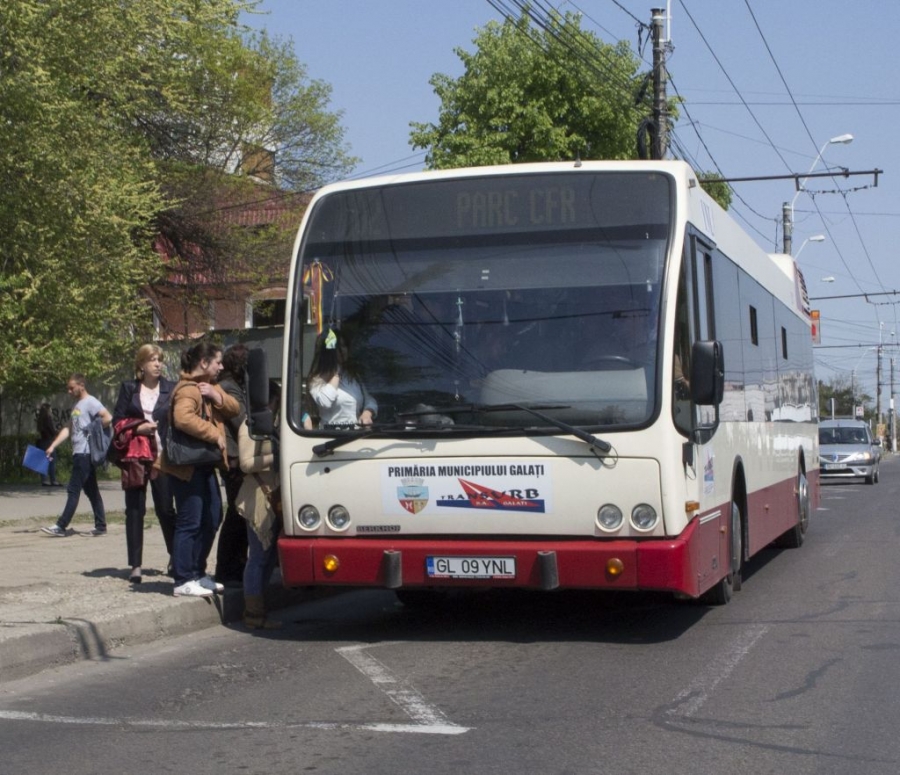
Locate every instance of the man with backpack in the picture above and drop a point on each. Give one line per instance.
(87, 409)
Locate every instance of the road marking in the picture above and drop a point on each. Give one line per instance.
(406, 697)
(689, 701)
(168, 724)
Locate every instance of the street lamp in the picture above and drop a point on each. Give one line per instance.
(814, 238)
(788, 209)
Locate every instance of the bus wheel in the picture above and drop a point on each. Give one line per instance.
(793, 538)
(721, 593)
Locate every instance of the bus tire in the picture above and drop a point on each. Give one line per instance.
(793, 538)
(721, 593)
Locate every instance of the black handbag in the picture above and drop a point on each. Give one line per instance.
(182, 449)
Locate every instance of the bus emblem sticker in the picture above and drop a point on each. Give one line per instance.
(413, 495)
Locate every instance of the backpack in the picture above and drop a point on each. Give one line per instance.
(99, 439)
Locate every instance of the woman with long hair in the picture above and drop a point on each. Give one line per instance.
(335, 386)
(141, 405)
(199, 408)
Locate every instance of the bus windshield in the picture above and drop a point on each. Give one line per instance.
(462, 300)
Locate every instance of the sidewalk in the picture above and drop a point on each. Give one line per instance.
(67, 599)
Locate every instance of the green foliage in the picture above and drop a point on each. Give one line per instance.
(528, 95)
(717, 188)
(110, 115)
(845, 401)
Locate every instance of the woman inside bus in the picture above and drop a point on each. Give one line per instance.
(339, 394)
(199, 409)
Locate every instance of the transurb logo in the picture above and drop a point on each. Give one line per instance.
(413, 495)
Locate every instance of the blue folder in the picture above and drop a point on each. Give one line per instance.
(36, 460)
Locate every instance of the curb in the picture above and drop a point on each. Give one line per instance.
(34, 647)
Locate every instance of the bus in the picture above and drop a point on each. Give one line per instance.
(587, 376)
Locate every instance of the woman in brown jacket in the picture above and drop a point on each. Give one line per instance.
(199, 408)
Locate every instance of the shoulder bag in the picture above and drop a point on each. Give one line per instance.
(182, 449)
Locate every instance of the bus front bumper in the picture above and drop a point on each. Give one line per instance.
(651, 564)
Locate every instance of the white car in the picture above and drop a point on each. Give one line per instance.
(847, 450)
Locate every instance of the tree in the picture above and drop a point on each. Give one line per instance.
(262, 117)
(841, 391)
(111, 117)
(529, 95)
(549, 95)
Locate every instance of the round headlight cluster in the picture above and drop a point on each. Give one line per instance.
(338, 518)
(308, 517)
(644, 517)
(609, 517)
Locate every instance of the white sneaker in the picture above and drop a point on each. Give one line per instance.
(208, 582)
(192, 589)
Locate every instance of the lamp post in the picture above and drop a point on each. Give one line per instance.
(788, 209)
(814, 238)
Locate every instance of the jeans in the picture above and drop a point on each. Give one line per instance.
(260, 562)
(84, 477)
(198, 511)
(136, 508)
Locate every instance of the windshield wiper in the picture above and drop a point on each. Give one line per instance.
(386, 429)
(328, 447)
(588, 438)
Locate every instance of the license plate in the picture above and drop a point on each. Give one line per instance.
(834, 466)
(471, 567)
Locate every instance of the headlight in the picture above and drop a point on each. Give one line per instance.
(644, 517)
(338, 518)
(308, 517)
(609, 517)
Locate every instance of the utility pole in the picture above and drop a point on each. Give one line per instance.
(878, 386)
(892, 433)
(660, 143)
(788, 223)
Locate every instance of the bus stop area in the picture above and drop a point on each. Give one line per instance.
(68, 599)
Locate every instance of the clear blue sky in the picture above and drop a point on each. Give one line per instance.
(730, 62)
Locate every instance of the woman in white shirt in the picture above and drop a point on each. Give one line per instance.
(340, 396)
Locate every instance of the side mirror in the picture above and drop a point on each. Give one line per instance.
(260, 421)
(707, 373)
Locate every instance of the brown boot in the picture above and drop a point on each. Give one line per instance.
(255, 614)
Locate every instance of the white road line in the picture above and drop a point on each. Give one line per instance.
(689, 701)
(406, 697)
(168, 724)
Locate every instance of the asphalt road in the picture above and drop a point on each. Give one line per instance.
(796, 675)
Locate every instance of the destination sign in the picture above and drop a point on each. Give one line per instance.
(503, 208)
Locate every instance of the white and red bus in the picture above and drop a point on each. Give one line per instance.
(587, 376)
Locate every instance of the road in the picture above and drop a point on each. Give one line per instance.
(797, 674)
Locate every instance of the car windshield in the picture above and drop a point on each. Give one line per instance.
(843, 436)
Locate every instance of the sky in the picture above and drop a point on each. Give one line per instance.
(766, 85)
